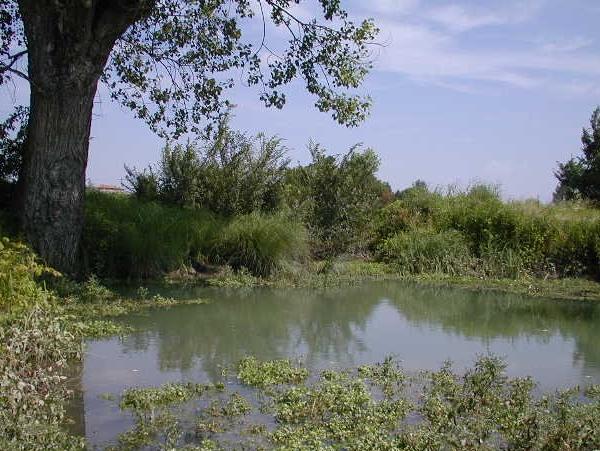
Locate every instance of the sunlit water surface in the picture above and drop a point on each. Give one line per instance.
(558, 343)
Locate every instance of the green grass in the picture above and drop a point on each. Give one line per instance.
(128, 238)
(260, 243)
(504, 239)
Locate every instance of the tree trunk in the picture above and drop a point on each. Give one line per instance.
(54, 184)
(68, 44)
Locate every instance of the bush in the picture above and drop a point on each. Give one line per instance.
(19, 268)
(506, 239)
(260, 243)
(232, 174)
(336, 197)
(125, 237)
(427, 251)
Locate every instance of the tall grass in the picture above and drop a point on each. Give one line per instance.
(427, 251)
(504, 239)
(260, 243)
(125, 237)
(128, 238)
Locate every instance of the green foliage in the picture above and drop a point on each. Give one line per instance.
(144, 184)
(12, 138)
(141, 400)
(232, 174)
(260, 243)
(485, 236)
(275, 372)
(125, 237)
(426, 251)
(19, 269)
(201, 44)
(579, 178)
(336, 198)
(368, 408)
(34, 352)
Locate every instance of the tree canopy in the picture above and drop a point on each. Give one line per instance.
(174, 60)
(579, 177)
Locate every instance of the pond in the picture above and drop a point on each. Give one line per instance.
(558, 343)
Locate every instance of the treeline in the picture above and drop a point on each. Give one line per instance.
(235, 200)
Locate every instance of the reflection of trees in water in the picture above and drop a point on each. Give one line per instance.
(265, 323)
(327, 324)
(486, 315)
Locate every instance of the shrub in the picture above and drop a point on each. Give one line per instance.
(336, 197)
(427, 251)
(19, 268)
(231, 174)
(507, 239)
(260, 243)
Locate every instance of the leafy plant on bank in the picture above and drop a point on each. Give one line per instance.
(19, 269)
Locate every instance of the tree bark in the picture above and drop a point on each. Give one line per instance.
(68, 45)
(54, 185)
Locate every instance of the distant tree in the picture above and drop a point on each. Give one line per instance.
(579, 177)
(418, 185)
(12, 138)
(12, 141)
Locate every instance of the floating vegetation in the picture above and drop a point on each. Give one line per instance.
(145, 399)
(262, 374)
(367, 408)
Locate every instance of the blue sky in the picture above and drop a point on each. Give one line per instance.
(463, 91)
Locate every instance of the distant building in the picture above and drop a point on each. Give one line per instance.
(113, 189)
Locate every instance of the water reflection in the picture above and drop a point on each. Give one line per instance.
(556, 342)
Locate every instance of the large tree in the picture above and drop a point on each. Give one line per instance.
(169, 61)
(579, 177)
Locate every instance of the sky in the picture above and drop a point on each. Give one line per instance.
(463, 91)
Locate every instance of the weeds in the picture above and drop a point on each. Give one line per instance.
(260, 243)
(480, 409)
(261, 374)
(475, 233)
(34, 353)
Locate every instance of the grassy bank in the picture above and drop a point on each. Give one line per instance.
(470, 239)
(127, 238)
(475, 233)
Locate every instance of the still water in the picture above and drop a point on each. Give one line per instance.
(558, 343)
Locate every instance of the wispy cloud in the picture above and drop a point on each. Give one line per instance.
(456, 17)
(430, 46)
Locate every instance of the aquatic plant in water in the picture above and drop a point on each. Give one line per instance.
(375, 407)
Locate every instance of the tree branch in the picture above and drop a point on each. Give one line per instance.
(13, 59)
